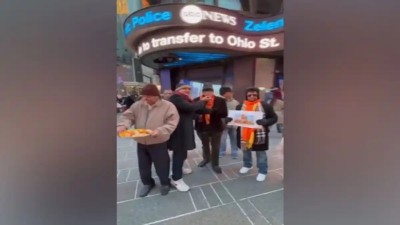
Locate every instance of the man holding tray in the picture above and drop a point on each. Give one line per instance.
(161, 117)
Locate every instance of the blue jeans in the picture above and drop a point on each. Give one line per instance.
(231, 131)
(262, 160)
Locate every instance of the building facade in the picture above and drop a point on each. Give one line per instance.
(230, 43)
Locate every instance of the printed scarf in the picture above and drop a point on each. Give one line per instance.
(209, 105)
(250, 135)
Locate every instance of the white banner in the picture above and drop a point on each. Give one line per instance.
(245, 118)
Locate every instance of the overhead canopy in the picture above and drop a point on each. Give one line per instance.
(172, 35)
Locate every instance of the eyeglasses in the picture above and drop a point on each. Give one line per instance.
(252, 95)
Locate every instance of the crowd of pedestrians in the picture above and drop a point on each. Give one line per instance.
(175, 118)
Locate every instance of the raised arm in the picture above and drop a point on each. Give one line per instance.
(186, 106)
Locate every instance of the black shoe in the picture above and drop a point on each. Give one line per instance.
(145, 190)
(217, 169)
(203, 163)
(164, 189)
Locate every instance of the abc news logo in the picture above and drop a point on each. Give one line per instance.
(193, 14)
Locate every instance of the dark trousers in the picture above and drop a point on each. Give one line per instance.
(178, 158)
(212, 138)
(157, 154)
(279, 127)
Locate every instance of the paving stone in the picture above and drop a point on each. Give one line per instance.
(126, 164)
(126, 191)
(222, 193)
(271, 206)
(280, 171)
(274, 163)
(218, 177)
(253, 214)
(149, 209)
(211, 197)
(131, 155)
(133, 175)
(124, 142)
(179, 207)
(199, 199)
(123, 174)
(231, 170)
(121, 155)
(227, 214)
(247, 186)
(199, 176)
(227, 159)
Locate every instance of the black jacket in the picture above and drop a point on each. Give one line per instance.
(183, 136)
(270, 118)
(217, 119)
(129, 101)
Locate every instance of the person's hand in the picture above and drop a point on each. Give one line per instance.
(228, 119)
(205, 98)
(154, 133)
(262, 122)
(121, 129)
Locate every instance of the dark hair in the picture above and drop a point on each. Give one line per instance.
(253, 89)
(224, 90)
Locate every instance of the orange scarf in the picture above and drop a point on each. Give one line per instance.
(209, 105)
(248, 133)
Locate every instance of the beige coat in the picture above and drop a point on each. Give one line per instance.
(162, 116)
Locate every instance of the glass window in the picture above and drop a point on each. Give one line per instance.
(216, 88)
(207, 2)
(134, 5)
(230, 4)
(197, 87)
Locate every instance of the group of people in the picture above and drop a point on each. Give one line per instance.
(170, 117)
(127, 101)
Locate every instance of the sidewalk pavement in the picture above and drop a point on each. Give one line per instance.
(228, 198)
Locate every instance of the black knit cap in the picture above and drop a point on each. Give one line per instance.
(150, 90)
(181, 86)
(207, 87)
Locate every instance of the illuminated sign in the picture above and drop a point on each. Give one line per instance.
(156, 32)
(213, 39)
(182, 15)
(193, 14)
(149, 17)
(261, 26)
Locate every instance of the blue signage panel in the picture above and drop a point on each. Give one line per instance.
(178, 15)
(262, 26)
(148, 18)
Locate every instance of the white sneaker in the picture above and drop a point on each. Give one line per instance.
(187, 170)
(245, 170)
(261, 177)
(180, 185)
